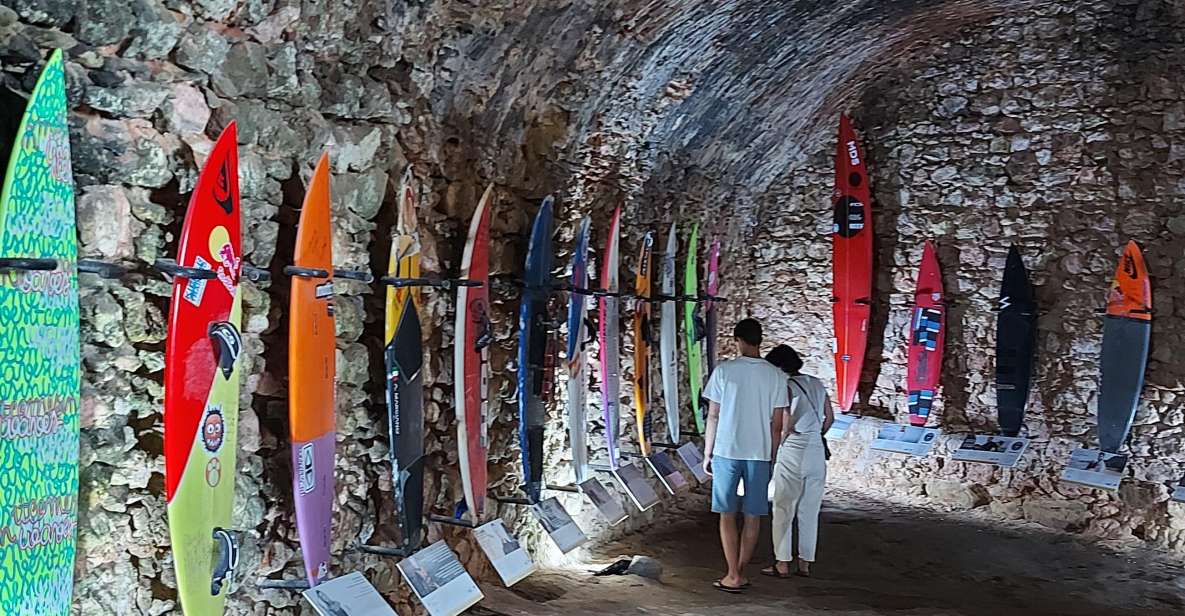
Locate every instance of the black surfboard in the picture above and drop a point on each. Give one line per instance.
(1016, 332)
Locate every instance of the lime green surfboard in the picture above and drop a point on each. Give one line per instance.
(691, 324)
(39, 360)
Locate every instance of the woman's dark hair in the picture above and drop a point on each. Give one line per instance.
(785, 358)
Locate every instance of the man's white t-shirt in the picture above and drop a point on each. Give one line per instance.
(748, 390)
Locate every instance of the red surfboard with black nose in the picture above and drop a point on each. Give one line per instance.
(851, 254)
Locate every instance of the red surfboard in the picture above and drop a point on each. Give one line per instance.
(202, 382)
(851, 267)
(927, 331)
(471, 357)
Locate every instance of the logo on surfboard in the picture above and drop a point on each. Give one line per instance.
(222, 188)
(307, 473)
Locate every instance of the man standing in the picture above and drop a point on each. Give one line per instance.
(747, 396)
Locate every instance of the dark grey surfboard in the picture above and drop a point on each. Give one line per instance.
(1016, 330)
(1125, 356)
(1127, 331)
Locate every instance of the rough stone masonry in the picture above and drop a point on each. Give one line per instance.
(1056, 125)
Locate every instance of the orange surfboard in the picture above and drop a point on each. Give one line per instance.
(311, 371)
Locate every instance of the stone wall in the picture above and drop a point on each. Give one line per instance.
(988, 122)
(1059, 130)
(151, 84)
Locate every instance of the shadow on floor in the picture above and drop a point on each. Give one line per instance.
(875, 558)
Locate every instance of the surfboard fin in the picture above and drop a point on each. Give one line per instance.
(228, 559)
(227, 344)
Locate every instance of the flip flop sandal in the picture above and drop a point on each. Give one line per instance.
(774, 573)
(732, 590)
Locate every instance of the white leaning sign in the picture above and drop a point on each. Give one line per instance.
(510, 559)
(348, 595)
(909, 440)
(1096, 469)
(439, 580)
(1002, 451)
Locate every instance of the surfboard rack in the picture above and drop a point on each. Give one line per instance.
(270, 584)
(102, 268)
(511, 500)
(256, 274)
(439, 283)
(440, 519)
(170, 267)
(384, 550)
(664, 445)
(316, 272)
(362, 276)
(572, 489)
(28, 265)
(659, 298)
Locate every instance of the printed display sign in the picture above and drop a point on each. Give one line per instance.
(606, 503)
(439, 580)
(1179, 491)
(1002, 451)
(840, 426)
(664, 468)
(635, 484)
(910, 440)
(694, 459)
(1095, 468)
(559, 525)
(510, 559)
(348, 595)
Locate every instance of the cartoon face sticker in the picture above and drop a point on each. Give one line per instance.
(213, 430)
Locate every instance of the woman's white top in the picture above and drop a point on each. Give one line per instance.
(807, 398)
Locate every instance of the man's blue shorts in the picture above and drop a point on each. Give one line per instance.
(727, 474)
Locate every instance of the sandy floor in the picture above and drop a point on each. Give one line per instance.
(874, 559)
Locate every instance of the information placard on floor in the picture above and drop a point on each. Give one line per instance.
(910, 440)
(1179, 492)
(439, 580)
(1094, 468)
(840, 426)
(1002, 451)
(634, 482)
(606, 503)
(348, 595)
(691, 456)
(664, 468)
(559, 525)
(510, 559)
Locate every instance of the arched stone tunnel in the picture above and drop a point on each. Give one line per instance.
(1056, 126)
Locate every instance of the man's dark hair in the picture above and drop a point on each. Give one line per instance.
(748, 330)
(785, 358)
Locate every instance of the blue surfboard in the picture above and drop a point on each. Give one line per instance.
(534, 362)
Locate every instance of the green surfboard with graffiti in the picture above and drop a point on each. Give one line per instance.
(39, 360)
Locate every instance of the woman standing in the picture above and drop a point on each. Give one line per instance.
(801, 467)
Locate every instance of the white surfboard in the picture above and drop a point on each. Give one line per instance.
(578, 358)
(668, 338)
(610, 338)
